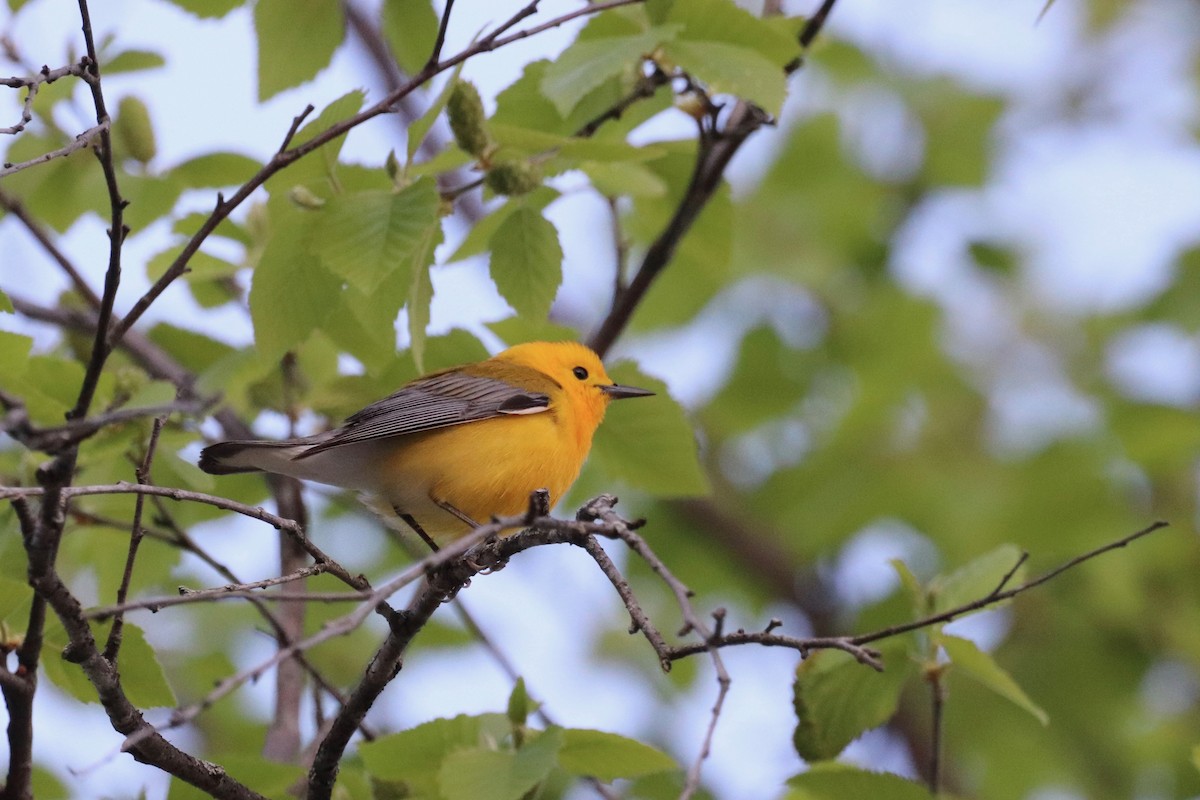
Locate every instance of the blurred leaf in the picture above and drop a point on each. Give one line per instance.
(843, 782)
(966, 655)
(526, 261)
(647, 443)
(6, 303)
(289, 53)
(214, 170)
(769, 381)
(208, 9)
(519, 704)
(410, 27)
(133, 61)
(838, 699)
(977, 579)
(994, 258)
(485, 774)
(420, 127)
(607, 756)
(15, 599)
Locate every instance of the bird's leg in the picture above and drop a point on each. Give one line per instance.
(411, 522)
(442, 504)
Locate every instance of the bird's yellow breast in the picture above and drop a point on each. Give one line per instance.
(484, 469)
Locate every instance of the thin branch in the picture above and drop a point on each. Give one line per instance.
(113, 646)
(440, 41)
(33, 84)
(937, 690)
(282, 159)
(81, 141)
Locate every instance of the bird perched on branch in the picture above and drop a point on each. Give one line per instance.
(452, 449)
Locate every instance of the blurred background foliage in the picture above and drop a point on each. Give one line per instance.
(860, 378)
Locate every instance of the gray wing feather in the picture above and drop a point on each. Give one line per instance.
(439, 401)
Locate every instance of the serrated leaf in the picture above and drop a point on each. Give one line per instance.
(966, 655)
(133, 61)
(647, 443)
(214, 170)
(526, 262)
(290, 53)
(415, 756)
(142, 676)
(485, 774)
(837, 699)
(476, 241)
(292, 291)
(316, 170)
(732, 69)
(587, 64)
(366, 237)
(724, 21)
(608, 756)
(410, 27)
(843, 781)
(976, 579)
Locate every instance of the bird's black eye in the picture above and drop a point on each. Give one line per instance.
(580, 373)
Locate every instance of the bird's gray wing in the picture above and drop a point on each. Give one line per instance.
(436, 401)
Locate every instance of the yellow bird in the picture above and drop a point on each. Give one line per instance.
(453, 448)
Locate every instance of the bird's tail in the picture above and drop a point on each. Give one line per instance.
(248, 455)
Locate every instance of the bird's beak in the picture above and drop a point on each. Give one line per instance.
(616, 391)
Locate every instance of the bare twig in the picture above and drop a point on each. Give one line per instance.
(32, 84)
(136, 534)
(81, 141)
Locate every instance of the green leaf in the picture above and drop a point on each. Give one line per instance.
(420, 296)
(732, 69)
(6, 303)
(477, 239)
(647, 443)
(966, 655)
(724, 21)
(420, 127)
(976, 579)
(208, 9)
(133, 61)
(415, 756)
(215, 170)
(296, 40)
(842, 782)
(316, 169)
(142, 676)
(410, 27)
(837, 699)
(587, 64)
(15, 600)
(365, 237)
(916, 592)
(292, 291)
(620, 179)
(608, 756)
(769, 381)
(526, 261)
(486, 774)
